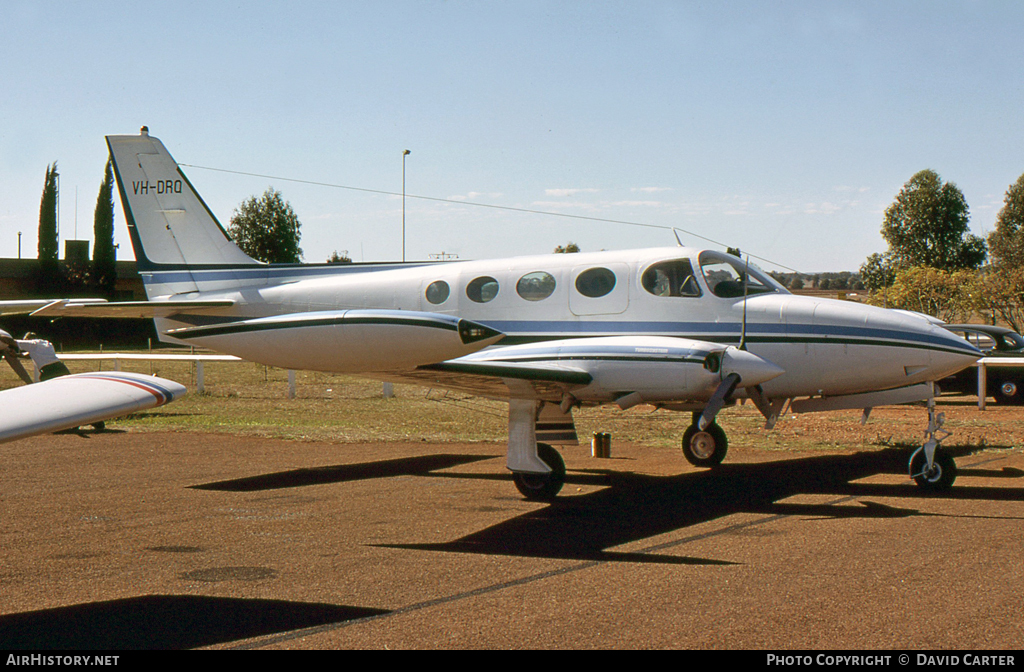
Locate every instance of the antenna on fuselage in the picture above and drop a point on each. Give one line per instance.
(675, 232)
(746, 284)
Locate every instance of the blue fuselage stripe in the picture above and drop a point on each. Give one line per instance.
(526, 331)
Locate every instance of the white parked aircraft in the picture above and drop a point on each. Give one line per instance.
(682, 329)
(62, 401)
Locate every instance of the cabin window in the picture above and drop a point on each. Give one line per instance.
(671, 278)
(482, 289)
(437, 292)
(536, 286)
(731, 278)
(595, 282)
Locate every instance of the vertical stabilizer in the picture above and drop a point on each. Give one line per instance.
(171, 227)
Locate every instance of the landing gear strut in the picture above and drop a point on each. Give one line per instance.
(542, 487)
(929, 468)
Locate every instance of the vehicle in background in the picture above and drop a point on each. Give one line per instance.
(1005, 383)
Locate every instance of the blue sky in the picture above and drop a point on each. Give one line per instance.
(783, 128)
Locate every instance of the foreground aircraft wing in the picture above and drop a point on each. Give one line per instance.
(81, 399)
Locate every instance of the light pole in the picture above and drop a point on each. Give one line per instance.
(404, 154)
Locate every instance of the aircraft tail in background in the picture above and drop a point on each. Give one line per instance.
(173, 232)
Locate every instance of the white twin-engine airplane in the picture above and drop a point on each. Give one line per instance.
(679, 328)
(64, 401)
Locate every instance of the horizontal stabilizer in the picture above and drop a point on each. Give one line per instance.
(82, 399)
(133, 309)
(26, 306)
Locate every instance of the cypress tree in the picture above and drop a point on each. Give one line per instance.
(104, 269)
(49, 269)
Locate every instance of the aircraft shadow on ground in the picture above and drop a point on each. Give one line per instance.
(165, 622)
(635, 507)
(408, 466)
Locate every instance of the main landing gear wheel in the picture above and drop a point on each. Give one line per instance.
(705, 448)
(542, 486)
(941, 475)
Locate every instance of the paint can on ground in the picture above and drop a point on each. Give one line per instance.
(601, 445)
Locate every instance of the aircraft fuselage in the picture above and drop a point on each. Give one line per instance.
(826, 347)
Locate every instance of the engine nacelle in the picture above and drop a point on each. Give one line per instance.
(356, 341)
(638, 369)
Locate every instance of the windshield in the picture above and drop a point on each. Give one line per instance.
(730, 277)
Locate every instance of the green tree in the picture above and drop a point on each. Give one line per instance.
(927, 226)
(104, 255)
(948, 295)
(567, 249)
(267, 229)
(1000, 296)
(878, 272)
(1006, 243)
(49, 279)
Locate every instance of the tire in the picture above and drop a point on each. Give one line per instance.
(542, 487)
(943, 473)
(705, 448)
(1008, 391)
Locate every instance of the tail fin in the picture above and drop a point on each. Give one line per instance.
(171, 227)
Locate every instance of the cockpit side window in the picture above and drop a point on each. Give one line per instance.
(671, 278)
(731, 278)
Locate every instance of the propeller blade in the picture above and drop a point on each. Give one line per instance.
(18, 368)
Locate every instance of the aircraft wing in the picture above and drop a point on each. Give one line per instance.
(628, 370)
(81, 399)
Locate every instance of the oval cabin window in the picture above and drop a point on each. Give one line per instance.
(437, 292)
(595, 282)
(536, 286)
(482, 289)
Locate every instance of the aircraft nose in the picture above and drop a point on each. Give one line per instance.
(950, 354)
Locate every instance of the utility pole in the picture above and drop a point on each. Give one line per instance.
(404, 154)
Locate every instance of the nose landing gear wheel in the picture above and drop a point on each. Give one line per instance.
(542, 487)
(941, 475)
(705, 448)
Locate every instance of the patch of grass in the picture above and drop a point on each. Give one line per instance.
(251, 399)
